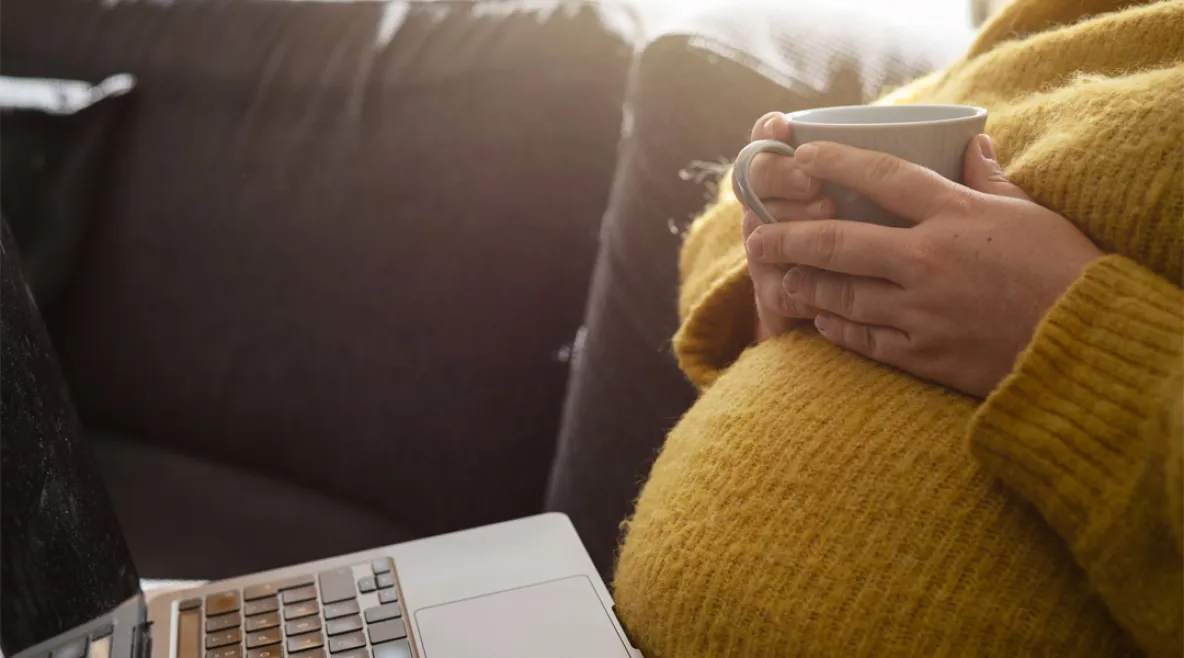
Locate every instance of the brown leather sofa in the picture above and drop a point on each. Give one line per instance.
(349, 250)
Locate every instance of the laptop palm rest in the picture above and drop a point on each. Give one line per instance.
(557, 618)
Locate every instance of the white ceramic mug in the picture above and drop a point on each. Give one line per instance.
(933, 136)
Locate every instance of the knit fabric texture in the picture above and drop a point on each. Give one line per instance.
(816, 503)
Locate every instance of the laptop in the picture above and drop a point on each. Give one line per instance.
(69, 588)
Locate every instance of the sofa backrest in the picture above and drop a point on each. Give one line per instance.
(345, 243)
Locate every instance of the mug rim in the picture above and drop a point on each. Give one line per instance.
(977, 113)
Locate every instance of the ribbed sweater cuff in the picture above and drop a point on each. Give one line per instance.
(716, 302)
(1063, 428)
(719, 326)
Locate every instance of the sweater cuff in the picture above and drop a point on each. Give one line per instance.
(716, 302)
(718, 327)
(1063, 428)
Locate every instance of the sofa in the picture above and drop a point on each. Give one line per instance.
(361, 272)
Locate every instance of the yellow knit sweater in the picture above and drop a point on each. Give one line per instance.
(815, 503)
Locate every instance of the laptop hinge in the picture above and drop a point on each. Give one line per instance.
(142, 641)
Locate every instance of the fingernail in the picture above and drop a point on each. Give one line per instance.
(805, 154)
(987, 147)
(755, 248)
(818, 209)
(793, 280)
(822, 323)
(776, 123)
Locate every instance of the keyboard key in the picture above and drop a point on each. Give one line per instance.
(262, 622)
(347, 642)
(74, 649)
(223, 638)
(305, 642)
(260, 606)
(232, 651)
(222, 622)
(269, 589)
(336, 610)
(337, 585)
(306, 593)
(300, 610)
(221, 602)
(380, 565)
(384, 580)
(383, 612)
(384, 631)
(360, 652)
(319, 652)
(399, 649)
(343, 625)
(189, 634)
(367, 584)
(273, 651)
(388, 595)
(189, 604)
(306, 625)
(264, 638)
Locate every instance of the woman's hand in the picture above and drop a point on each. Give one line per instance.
(789, 195)
(953, 299)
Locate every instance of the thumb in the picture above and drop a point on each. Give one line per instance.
(983, 173)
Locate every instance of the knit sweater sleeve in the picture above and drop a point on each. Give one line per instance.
(716, 301)
(1087, 427)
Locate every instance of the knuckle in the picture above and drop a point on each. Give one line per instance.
(791, 307)
(998, 177)
(882, 167)
(771, 243)
(825, 245)
(922, 259)
(847, 298)
(864, 339)
(829, 156)
(769, 298)
(767, 175)
(955, 202)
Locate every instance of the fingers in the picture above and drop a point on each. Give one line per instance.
(772, 297)
(774, 125)
(859, 299)
(835, 245)
(776, 312)
(883, 344)
(790, 211)
(775, 309)
(778, 177)
(775, 176)
(900, 187)
(982, 172)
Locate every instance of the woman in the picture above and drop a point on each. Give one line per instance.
(959, 438)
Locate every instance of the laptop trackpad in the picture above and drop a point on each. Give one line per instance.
(558, 618)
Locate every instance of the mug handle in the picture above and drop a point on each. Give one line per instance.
(740, 174)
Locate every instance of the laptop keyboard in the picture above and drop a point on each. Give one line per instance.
(351, 612)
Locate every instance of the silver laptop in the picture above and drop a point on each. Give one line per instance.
(69, 589)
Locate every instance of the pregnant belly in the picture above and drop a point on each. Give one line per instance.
(815, 503)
